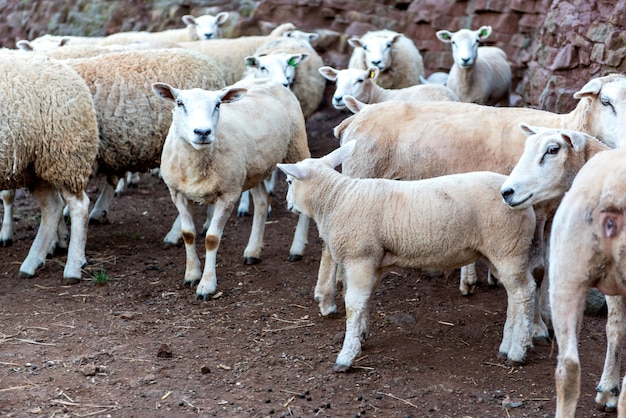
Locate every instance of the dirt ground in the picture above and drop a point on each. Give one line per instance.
(141, 345)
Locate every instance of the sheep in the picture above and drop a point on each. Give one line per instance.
(207, 161)
(439, 138)
(479, 74)
(230, 53)
(437, 77)
(198, 28)
(586, 250)
(437, 223)
(308, 37)
(48, 41)
(49, 145)
(397, 57)
(546, 170)
(361, 84)
(133, 123)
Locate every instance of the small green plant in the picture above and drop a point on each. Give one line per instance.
(100, 277)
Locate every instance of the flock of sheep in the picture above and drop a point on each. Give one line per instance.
(434, 175)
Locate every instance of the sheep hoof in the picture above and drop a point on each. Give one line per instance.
(243, 213)
(202, 297)
(103, 221)
(251, 260)
(513, 363)
(167, 244)
(190, 283)
(607, 408)
(24, 275)
(6, 242)
(341, 368)
(70, 280)
(295, 257)
(542, 340)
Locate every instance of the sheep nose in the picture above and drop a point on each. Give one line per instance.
(208, 36)
(202, 134)
(507, 194)
(465, 61)
(377, 63)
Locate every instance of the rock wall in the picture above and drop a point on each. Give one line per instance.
(554, 46)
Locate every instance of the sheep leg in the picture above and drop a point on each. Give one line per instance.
(175, 235)
(79, 208)
(468, 279)
(300, 238)
(193, 268)
(326, 287)
(252, 253)
(8, 226)
(51, 205)
(223, 208)
(244, 204)
(541, 335)
(609, 387)
(101, 207)
(361, 280)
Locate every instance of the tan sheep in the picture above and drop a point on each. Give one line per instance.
(361, 84)
(396, 56)
(208, 161)
(49, 145)
(479, 74)
(371, 225)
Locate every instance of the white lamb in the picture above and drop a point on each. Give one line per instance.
(479, 74)
(396, 56)
(361, 84)
(49, 145)
(438, 223)
(587, 250)
(208, 161)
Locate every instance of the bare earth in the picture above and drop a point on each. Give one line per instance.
(141, 345)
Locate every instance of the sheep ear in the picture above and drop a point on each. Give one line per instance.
(296, 171)
(165, 91)
(444, 36)
(24, 45)
(355, 42)
(592, 88)
(251, 61)
(353, 104)
(296, 59)
(339, 155)
(575, 139)
(529, 130)
(484, 32)
(313, 36)
(64, 41)
(189, 20)
(221, 18)
(328, 72)
(232, 94)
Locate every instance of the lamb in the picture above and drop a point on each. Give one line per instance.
(198, 28)
(479, 74)
(452, 229)
(397, 57)
(438, 138)
(361, 84)
(545, 171)
(586, 250)
(230, 53)
(210, 162)
(49, 144)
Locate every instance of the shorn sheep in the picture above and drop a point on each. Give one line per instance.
(438, 223)
(210, 161)
(586, 250)
(361, 84)
(396, 56)
(479, 74)
(551, 160)
(438, 138)
(49, 145)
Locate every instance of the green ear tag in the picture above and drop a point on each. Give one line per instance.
(293, 62)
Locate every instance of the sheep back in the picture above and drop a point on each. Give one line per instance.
(133, 122)
(48, 131)
(407, 63)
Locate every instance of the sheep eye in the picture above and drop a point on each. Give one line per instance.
(180, 103)
(388, 44)
(605, 101)
(360, 80)
(364, 47)
(263, 68)
(553, 150)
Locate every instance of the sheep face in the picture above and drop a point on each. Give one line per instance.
(542, 172)
(349, 82)
(299, 35)
(377, 50)
(464, 44)
(206, 26)
(196, 111)
(280, 67)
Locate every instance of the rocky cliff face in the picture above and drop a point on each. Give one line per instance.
(554, 46)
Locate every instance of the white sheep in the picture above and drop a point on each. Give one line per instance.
(49, 144)
(397, 57)
(438, 223)
(361, 84)
(439, 138)
(230, 53)
(551, 160)
(208, 161)
(586, 250)
(197, 28)
(438, 77)
(479, 74)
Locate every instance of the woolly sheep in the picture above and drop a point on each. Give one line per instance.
(366, 241)
(479, 74)
(308, 37)
(361, 84)
(439, 138)
(397, 57)
(230, 53)
(208, 161)
(586, 250)
(437, 77)
(545, 171)
(198, 28)
(49, 144)
(133, 122)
